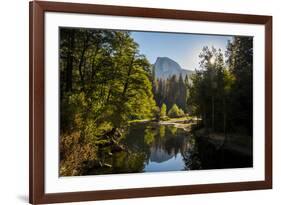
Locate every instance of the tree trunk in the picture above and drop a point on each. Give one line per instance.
(213, 113)
(128, 76)
(69, 65)
(93, 70)
(81, 61)
(224, 117)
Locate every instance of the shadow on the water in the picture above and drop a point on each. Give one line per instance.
(213, 157)
(151, 147)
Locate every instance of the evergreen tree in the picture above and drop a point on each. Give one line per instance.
(175, 112)
(163, 111)
(182, 93)
(221, 93)
(240, 62)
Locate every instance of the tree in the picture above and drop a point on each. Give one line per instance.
(171, 91)
(163, 111)
(181, 101)
(104, 83)
(175, 112)
(207, 92)
(240, 62)
(221, 93)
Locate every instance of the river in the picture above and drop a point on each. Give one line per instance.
(154, 147)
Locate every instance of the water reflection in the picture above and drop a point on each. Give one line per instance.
(172, 163)
(150, 147)
(165, 146)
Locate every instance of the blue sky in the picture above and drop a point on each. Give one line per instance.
(183, 48)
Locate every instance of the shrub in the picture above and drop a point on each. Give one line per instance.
(175, 111)
(163, 111)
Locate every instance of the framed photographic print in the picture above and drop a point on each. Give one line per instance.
(139, 102)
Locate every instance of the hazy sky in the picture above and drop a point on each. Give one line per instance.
(183, 48)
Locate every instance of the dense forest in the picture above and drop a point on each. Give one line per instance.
(106, 84)
(171, 91)
(222, 93)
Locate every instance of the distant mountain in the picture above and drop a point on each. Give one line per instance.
(159, 155)
(165, 67)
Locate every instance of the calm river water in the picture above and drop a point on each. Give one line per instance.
(150, 147)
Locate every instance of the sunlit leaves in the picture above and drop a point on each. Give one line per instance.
(175, 112)
(220, 92)
(110, 85)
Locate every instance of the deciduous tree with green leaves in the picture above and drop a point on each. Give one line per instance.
(104, 83)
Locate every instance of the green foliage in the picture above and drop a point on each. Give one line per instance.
(173, 130)
(104, 83)
(162, 131)
(149, 135)
(171, 91)
(163, 111)
(208, 93)
(240, 62)
(175, 112)
(221, 93)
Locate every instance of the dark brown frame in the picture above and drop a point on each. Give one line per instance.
(37, 95)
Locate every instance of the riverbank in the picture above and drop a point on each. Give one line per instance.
(185, 123)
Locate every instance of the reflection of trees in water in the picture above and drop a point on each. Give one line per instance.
(165, 139)
(162, 129)
(128, 162)
(150, 134)
(158, 142)
(150, 142)
(146, 142)
(175, 141)
(190, 155)
(212, 157)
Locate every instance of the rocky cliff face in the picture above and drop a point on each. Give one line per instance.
(165, 67)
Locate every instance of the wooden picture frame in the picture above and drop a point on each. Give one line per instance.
(37, 10)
